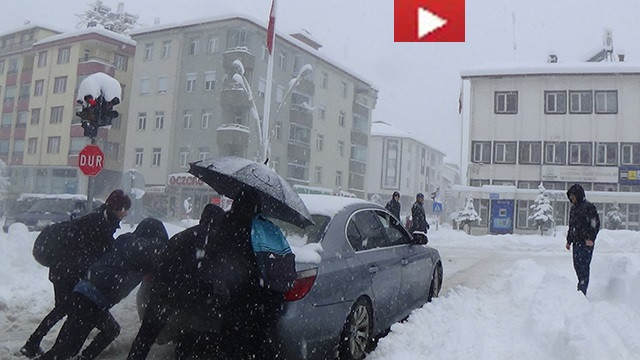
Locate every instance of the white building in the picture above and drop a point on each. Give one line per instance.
(400, 161)
(558, 124)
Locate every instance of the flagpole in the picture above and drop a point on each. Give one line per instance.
(460, 110)
(271, 37)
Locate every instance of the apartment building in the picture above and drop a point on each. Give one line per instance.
(400, 161)
(186, 106)
(556, 124)
(40, 136)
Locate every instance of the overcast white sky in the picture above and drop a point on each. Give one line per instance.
(418, 82)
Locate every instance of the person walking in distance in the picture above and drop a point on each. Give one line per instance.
(419, 225)
(83, 243)
(394, 205)
(584, 224)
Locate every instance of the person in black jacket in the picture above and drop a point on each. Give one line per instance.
(584, 224)
(91, 238)
(419, 223)
(108, 281)
(394, 205)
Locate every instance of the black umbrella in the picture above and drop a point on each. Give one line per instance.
(230, 175)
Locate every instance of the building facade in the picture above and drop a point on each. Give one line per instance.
(40, 136)
(555, 124)
(188, 103)
(398, 161)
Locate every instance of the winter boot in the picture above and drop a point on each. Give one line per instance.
(31, 350)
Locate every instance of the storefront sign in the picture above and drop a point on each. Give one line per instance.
(184, 179)
(580, 174)
(629, 175)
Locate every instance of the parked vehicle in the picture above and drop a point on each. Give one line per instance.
(54, 208)
(14, 207)
(370, 276)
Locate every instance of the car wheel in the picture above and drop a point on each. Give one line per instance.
(436, 283)
(357, 332)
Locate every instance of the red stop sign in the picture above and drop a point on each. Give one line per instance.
(91, 160)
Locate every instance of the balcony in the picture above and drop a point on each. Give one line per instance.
(301, 115)
(233, 94)
(306, 86)
(297, 151)
(361, 110)
(233, 135)
(15, 47)
(240, 53)
(90, 65)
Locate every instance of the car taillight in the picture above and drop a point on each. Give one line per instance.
(302, 285)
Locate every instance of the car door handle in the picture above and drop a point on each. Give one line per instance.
(373, 269)
(404, 262)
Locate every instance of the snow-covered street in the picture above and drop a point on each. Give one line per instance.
(503, 297)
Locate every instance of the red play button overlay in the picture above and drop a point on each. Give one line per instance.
(429, 20)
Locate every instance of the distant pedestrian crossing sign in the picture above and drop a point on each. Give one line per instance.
(437, 207)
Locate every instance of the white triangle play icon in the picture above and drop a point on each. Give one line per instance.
(428, 22)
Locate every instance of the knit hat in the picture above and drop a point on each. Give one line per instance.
(118, 201)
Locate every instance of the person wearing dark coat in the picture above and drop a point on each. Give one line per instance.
(91, 237)
(584, 224)
(394, 205)
(419, 222)
(108, 281)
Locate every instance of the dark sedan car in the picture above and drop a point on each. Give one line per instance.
(358, 273)
(53, 209)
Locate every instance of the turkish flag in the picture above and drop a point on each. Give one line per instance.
(271, 28)
(411, 17)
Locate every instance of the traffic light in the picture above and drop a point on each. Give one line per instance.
(96, 113)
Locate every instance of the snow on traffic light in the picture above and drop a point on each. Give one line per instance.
(98, 94)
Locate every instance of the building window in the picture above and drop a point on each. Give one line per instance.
(342, 116)
(238, 38)
(1, 67)
(320, 142)
(209, 80)
(630, 154)
(4, 147)
(22, 119)
(166, 49)
(606, 154)
(341, 148)
(145, 85)
(580, 102)
(282, 60)
(7, 120)
(391, 163)
(53, 145)
(194, 46)
(42, 59)
(159, 120)
(506, 102)
(60, 85)
(38, 88)
(186, 122)
(481, 152)
(322, 111)
(206, 119)
(121, 61)
(318, 175)
(163, 83)
(278, 130)
(56, 114)
(607, 102)
(203, 153)
(555, 102)
(35, 116)
(325, 80)
(339, 179)
(148, 52)
(212, 45)
(32, 146)
(505, 153)
(279, 94)
(184, 157)
(138, 157)
(155, 160)
(191, 82)
(18, 147)
(345, 89)
(580, 153)
(530, 152)
(63, 55)
(142, 121)
(555, 153)
(25, 90)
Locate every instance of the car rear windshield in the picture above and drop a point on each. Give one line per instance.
(300, 237)
(54, 206)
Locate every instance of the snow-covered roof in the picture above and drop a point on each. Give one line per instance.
(259, 23)
(383, 129)
(577, 68)
(327, 204)
(93, 30)
(30, 26)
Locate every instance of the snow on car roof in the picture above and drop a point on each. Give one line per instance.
(328, 204)
(30, 196)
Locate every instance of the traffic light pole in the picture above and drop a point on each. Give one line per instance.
(90, 184)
